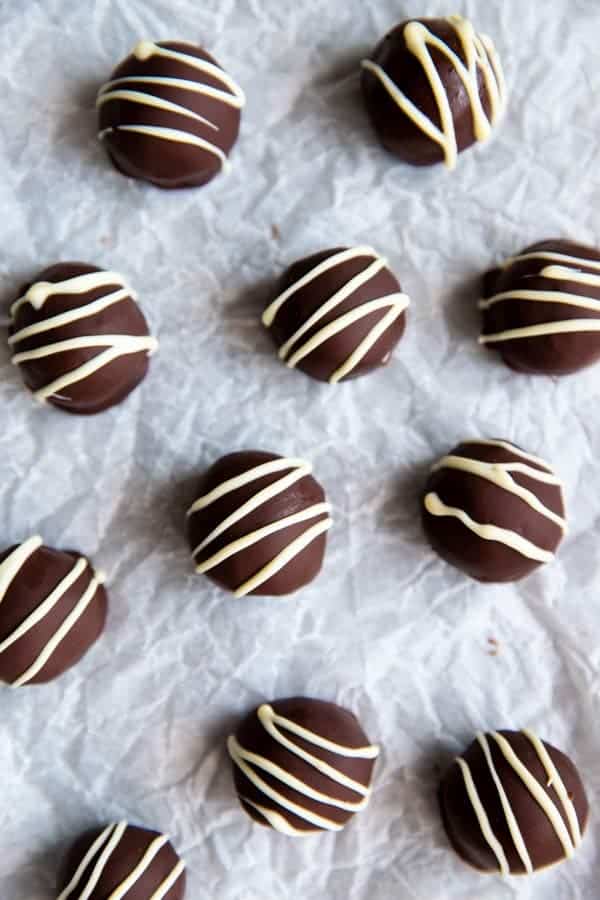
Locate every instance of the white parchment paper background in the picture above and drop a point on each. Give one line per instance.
(138, 729)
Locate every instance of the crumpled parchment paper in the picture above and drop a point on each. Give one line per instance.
(425, 657)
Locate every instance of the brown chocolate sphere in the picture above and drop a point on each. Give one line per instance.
(259, 524)
(338, 314)
(513, 804)
(302, 766)
(170, 115)
(123, 860)
(541, 310)
(433, 87)
(79, 338)
(493, 510)
(52, 609)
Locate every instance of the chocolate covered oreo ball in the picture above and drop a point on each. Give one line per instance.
(79, 338)
(302, 766)
(259, 524)
(541, 309)
(52, 609)
(513, 804)
(123, 861)
(493, 510)
(170, 115)
(338, 314)
(433, 87)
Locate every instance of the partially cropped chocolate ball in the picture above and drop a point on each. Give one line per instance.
(79, 338)
(433, 87)
(170, 115)
(302, 766)
(52, 609)
(259, 524)
(513, 804)
(338, 314)
(122, 861)
(493, 510)
(541, 309)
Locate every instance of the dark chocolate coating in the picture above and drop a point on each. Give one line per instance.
(539, 835)
(120, 864)
(34, 582)
(329, 721)
(322, 362)
(487, 503)
(110, 384)
(396, 131)
(168, 163)
(237, 569)
(550, 354)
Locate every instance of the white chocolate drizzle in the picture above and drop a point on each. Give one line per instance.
(561, 267)
(118, 90)
(500, 474)
(299, 469)
(9, 569)
(101, 851)
(116, 345)
(249, 762)
(569, 837)
(293, 351)
(481, 59)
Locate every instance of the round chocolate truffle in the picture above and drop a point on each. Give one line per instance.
(338, 314)
(259, 524)
(433, 87)
(493, 510)
(170, 115)
(79, 338)
(541, 310)
(513, 804)
(302, 766)
(123, 860)
(52, 609)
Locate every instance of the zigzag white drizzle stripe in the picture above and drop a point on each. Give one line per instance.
(39, 292)
(108, 842)
(116, 832)
(67, 625)
(114, 90)
(87, 859)
(481, 59)
(556, 272)
(551, 256)
(247, 762)
(558, 784)
(118, 345)
(437, 507)
(300, 469)
(482, 817)
(537, 792)
(47, 606)
(511, 821)
(13, 563)
(144, 864)
(396, 302)
(499, 473)
(168, 883)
